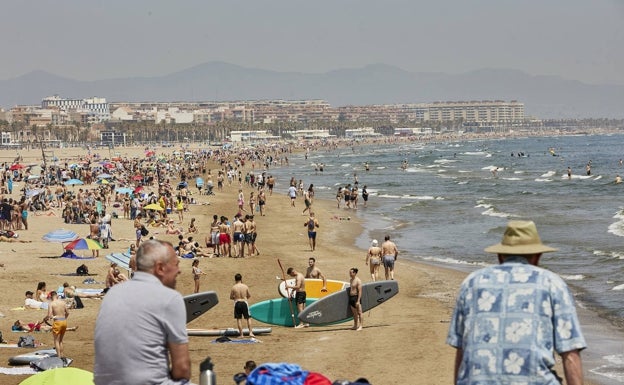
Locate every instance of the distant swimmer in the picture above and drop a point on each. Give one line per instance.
(569, 173)
(495, 171)
(618, 179)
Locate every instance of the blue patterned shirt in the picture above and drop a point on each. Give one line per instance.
(509, 320)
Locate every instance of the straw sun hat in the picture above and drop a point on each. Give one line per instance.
(520, 238)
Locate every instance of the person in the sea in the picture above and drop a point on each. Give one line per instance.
(510, 319)
(240, 295)
(355, 298)
(147, 314)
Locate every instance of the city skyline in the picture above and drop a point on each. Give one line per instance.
(573, 39)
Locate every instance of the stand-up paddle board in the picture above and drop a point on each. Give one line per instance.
(275, 311)
(27, 358)
(335, 307)
(199, 303)
(313, 287)
(229, 332)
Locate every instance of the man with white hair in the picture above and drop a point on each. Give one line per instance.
(510, 318)
(140, 331)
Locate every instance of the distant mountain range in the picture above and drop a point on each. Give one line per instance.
(543, 96)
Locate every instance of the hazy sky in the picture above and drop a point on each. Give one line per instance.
(88, 40)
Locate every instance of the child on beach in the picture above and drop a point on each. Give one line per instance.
(196, 274)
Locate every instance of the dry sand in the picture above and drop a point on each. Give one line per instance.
(403, 341)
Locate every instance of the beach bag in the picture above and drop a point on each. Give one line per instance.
(285, 374)
(82, 270)
(144, 231)
(26, 342)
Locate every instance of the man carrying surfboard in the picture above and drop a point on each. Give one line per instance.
(300, 293)
(355, 299)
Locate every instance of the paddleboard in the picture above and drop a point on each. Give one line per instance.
(313, 287)
(230, 332)
(335, 307)
(27, 358)
(199, 303)
(275, 311)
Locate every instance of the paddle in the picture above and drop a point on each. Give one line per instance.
(292, 312)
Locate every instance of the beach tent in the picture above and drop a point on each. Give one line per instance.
(60, 376)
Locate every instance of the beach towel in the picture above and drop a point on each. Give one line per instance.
(285, 374)
(17, 370)
(70, 254)
(224, 339)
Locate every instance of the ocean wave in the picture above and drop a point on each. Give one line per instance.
(617, 228)
(614, 369)
(513, 178)
(445, 161)
(543, 180)
(574, 277)
(548, 174)
(618, 287)
(493, 213)
(475, 153)
(453, 261)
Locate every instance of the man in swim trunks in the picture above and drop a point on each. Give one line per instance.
(58, 313)
(315, 272)
(240, 294)
(312, 224)
(300, 293)
(355, 297)
(390, 254)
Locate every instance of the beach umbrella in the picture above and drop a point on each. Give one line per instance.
(138, 189)
(16, 166)
(153, 206)
(124, 190)
(137, 177)
(31, 177)
(102, 181)
(60, 235)
(104, 176)
(33, 192)
(60, 376)
(73, 182)
(199, 182)
(84, 244)
(150, 153)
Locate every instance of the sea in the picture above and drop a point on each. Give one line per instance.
(443, 202)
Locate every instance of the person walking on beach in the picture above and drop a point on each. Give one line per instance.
(312, 224)
(355, 298)
(373, 259)
(300, 293)
(197, 273)
(390, 254)
(58, 313)
(154, 318)
(510, 318)
(240, 295)
(314, 272)
(292, 193)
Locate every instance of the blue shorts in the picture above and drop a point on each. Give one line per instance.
(312, 234)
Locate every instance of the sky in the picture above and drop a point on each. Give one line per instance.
(104, 39)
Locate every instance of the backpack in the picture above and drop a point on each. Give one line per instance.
(144, 231)
(82, 270)
(26, 342)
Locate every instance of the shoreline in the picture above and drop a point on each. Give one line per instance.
(415, 321)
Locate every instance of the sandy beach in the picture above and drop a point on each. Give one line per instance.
(403, 341)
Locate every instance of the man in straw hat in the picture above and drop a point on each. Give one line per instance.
(510, 317)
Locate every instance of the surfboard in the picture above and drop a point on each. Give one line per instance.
(335, 307)
(313, 287)
(27, 358)
(199, 303)
(230, 332)
(275, 311)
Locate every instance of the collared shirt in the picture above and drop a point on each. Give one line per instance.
(137, 320)
(509, 319)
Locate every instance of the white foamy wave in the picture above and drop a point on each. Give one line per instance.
(619, 287)
(484, 205)
(389, 196)
(380, 168)
(464, 171)
(464, 182)
(512, 178)
(617, 228)
(415, 169)
(575, 277)
(548, 174)
(488, 156)
(420, 198)
(519, 172)
(614, 369)
(445, 161)
(610, 254)
(598, 177)
(345, 165)
(453, 261)
(493, 213)
(543, 180)
(490, 168)
(475, 153)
